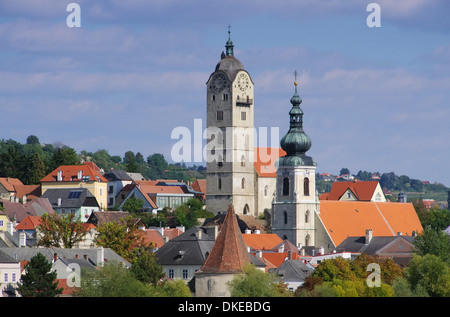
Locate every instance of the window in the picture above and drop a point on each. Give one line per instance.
(213, 97)
(74, 194)
(243, 161)
(307, 216)
(225, 97)
(243, 183)
(219, 115)
(1, 223)
(13, 277)
(171, 273)
(266, 189)
(285, 217)
(185, 274)
(285, 186)
(243, 115)
(219, 185)
(306, 186)
(6, 277)
(111, 189)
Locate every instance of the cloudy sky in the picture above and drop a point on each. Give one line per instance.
(375, 99)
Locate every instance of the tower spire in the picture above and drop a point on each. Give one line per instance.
(296, 142)
(229, 45)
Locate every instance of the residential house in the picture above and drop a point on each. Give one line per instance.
(182, 256)
(117, 180)
(160, 194)
(99, 218)
(10, 273)
(355, 191)
(293, 273)
(78, 201)
(160, 235)
(4, 220)
(400, 248)
(199, 185)
(76, 177)
(16, 211)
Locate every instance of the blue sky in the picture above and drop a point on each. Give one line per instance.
(375, 99)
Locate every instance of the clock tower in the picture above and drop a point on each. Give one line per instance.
(230, 136)
(296, 204)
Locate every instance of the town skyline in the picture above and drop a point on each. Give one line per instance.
(374, 98)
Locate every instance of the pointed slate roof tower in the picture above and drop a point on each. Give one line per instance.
(228, 257)
(229, 253)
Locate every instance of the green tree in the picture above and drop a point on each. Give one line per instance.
(254, 283)
(63, 155)
(37, 171)
(175, 288)
(111, 280)
(32, 139)
(146, 270)
(432, 241)
(39, 279)
(60, 231)
(122, 237)
(133, 204)
(429, 273)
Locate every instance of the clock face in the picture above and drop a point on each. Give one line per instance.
(219, 82)
(243, 82)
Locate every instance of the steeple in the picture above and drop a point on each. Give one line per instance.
(296, 142)
(229, 45)
(229, 253)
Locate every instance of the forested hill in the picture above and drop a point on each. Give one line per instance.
(31, 161)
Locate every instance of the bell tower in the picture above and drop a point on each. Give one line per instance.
(230, 136)
(295, 203)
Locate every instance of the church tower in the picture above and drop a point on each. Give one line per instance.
(295, 204)
(230, 136)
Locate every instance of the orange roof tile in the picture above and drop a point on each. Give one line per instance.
(29, 223)
(9, 183)
(265, 159)
(229, 252)
(70, 173)
(343, 219)
(153, 236)
(263, 241)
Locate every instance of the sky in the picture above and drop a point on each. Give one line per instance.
(374, 98)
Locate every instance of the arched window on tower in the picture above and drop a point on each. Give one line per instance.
(266, 189)
(306, 186)
(285, 186)
(285, 217)
(307, 238)
(243, 183)
(307, 216)
(243, 161)
(219, 184)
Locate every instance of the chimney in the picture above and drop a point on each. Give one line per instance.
(414, 233)
(257, 231)
(258, 253)
(399, 233)
(10, 228)
(55, 257)
(321, 251)
(248, 231)
(80, 174)
(59, 201)
(86, 257)
(24, 199)
(368, 236)
(59, 176)
(100, 256)
(281, 248)
(198, 234)
(22, 239)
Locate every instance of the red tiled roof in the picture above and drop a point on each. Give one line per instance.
(153, 236)
(229, 252)
(362, 190)
(70, 174)
(9, 183)
(344, 219)
(265, 159)
(29, 223)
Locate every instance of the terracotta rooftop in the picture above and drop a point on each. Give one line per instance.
(344, 219)
(229, 253)
(264, 241)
